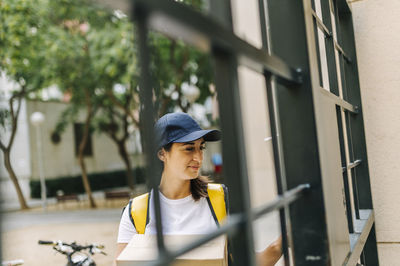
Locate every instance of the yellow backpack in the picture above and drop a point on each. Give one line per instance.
(217, 200)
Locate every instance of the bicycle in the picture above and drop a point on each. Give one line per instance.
(76, 254)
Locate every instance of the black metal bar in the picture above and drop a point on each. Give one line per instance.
(330, 48)
(233, 150)
(220, 11)
(346, 184)
(281, 201)
(356, 123)
(275, 129)
(340, 102)
(235, 221)
(262, 10)
(278, 160)
(300, 150)
(233, 147)
(358, 240)
(147, 118)
(180, 21)
(343, 7)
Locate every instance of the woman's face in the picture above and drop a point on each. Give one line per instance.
(184, 160)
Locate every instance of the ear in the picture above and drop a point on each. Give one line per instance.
(161, 155)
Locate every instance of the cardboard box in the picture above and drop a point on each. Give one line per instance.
(143, 248)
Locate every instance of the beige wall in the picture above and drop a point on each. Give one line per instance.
(377, 27)
(20, 160)
(59, 159)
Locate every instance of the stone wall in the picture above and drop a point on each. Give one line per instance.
(376, 25)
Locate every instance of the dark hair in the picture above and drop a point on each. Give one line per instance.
(198, 186)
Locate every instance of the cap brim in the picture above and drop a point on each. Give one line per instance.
(208, 135)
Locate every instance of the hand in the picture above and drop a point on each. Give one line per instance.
(271, 254)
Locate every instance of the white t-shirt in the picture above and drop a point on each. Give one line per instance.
(179, 217)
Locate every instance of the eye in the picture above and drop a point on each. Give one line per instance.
(190, 149)
(202, 148)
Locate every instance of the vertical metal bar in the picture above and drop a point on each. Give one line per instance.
(221, 11)
(273, 109)
(345, 175)
(235, 172)
(278, 160)
(262, 7)
(330, 48)
(147, 118)
(289, 34)
(356, 122)
(352, 170)
(233, 149)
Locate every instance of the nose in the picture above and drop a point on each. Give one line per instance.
(198, 156)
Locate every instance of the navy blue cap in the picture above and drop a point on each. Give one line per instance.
(181, 127)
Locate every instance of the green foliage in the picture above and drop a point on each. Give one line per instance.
(22, 33)
(67, 116)
(172, 64)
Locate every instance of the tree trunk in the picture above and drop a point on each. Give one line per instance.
(82, 164)
(14, 179)
(130, 178)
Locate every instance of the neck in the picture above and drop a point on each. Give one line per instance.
(174, 188)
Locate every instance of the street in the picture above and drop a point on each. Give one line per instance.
(21, 231)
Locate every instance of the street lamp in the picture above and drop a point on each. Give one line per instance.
(37, 119)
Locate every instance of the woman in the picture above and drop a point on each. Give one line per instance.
(183, 193)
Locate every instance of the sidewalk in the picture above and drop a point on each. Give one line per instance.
(70, 221)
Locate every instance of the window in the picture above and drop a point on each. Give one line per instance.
(78, 135)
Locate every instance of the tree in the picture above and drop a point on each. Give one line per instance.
(112, 48)
(176, 68)
(71, 65)
(93, 53)
(21, 58)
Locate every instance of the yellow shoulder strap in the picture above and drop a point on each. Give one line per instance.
(139, 207)
(217, 198)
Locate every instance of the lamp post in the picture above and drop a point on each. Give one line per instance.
(37, 119)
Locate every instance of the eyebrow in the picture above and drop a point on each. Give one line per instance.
(192, 143)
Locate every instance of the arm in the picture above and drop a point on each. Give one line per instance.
(271, 254)
(125, 232)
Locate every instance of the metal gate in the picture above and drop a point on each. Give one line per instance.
(309, 63)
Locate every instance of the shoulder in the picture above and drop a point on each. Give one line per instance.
(215, 188)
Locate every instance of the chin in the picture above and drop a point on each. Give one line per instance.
(191, 176)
